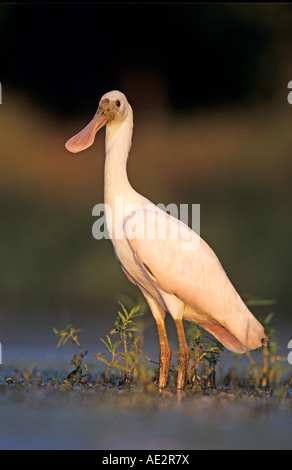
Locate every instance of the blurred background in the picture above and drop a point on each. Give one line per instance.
(208, 86)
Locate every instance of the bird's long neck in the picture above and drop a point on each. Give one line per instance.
(117, 147)
(116, 184)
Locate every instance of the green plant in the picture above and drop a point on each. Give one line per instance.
(266, 365)
(205, 350)
(127, 360)
(70, 333)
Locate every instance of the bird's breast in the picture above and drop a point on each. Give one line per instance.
(137, 273)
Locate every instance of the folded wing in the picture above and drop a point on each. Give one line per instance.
(182, 264)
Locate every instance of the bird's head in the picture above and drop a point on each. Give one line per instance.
(113, 108)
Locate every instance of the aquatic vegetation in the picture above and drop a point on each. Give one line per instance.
(128, 365)
(127, 361)
(77, 360)
(267, 367)
(205, 350)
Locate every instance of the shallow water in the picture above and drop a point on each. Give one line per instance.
(46, 418)
(49, 417)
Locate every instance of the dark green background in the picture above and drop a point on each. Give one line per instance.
(208, 86)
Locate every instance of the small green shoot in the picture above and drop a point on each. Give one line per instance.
(205, 350)
(70, 333)
(127, 360)
(269, 368)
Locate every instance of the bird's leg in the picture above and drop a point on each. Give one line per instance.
(165, 353)
(183, 355)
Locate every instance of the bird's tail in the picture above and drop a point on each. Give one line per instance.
(255, 337)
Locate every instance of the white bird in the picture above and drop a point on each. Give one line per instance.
(190, 283)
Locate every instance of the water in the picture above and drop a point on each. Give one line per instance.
(46, 418)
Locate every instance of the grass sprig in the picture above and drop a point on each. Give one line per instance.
(70, 332)
(127, 360)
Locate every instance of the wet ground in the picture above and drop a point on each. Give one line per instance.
(48, 415)
(41, 417)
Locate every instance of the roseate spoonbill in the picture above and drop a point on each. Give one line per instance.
(190, 283)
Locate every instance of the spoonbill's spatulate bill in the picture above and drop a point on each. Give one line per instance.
(188, 283)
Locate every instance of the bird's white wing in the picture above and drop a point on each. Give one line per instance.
(182, 264)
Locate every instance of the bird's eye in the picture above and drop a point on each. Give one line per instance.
(118, 103)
